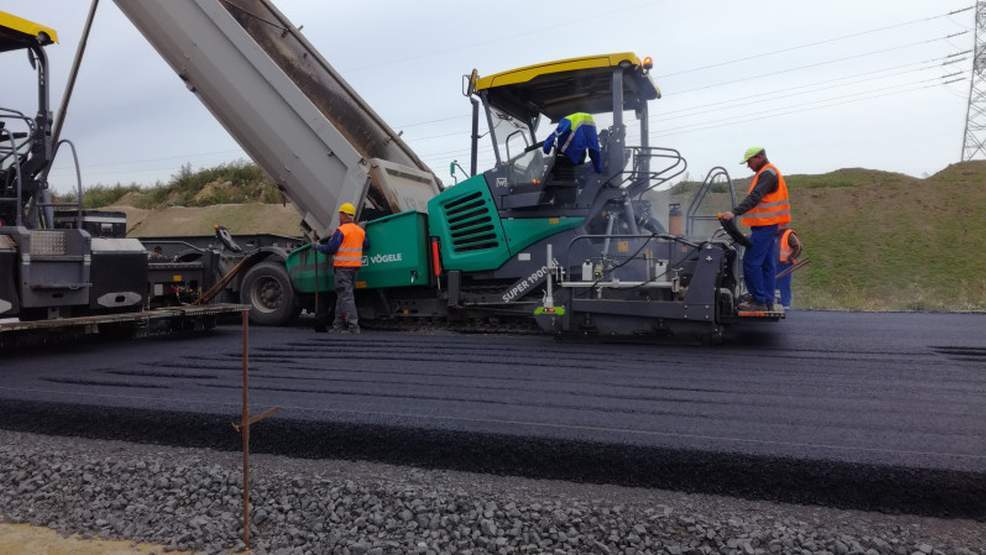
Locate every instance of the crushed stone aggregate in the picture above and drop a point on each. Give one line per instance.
(190, 499)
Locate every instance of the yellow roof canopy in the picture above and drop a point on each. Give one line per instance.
(17, 32)
(562, 87)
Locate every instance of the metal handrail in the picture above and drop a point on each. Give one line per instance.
(648, 236)
(710, 180)
(78, 176)
(15, 153)
(20, 182)
(642, 182)
(21, 117)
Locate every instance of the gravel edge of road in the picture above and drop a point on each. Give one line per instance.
(190, 499)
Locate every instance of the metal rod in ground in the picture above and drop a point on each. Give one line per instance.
(245, 429)
(319, 326)
(317, 307)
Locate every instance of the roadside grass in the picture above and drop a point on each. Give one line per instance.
(886, 241)
(893, 242)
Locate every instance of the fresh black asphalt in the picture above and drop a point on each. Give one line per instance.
(873, 411)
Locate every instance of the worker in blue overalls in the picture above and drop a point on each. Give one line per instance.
(575, 137)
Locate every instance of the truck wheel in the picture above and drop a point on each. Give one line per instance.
(267, 289)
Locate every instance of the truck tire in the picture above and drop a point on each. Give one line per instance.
(267, 289)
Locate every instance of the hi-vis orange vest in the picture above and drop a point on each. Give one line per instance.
(350, 253)
(774, 208)
(786, 251)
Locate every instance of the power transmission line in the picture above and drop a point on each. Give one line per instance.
(776, 111)
(465, 116)
(820, 105)
(827, 62)
(175, 157)
(439, 120)
(662, 117)
(947, 37)
(928, 64)
(817, 86)
(945, 60)
(489, 150)
(808, 108)
(818, 43)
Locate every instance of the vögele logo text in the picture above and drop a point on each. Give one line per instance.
(386, 258)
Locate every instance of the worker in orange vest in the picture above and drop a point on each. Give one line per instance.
(789, 249)
(346, 245)
(765, 208)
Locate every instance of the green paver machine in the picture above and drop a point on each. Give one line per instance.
(580, 251)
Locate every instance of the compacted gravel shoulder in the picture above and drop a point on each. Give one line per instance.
(190, 499)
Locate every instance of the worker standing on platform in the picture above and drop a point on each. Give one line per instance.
(789, 247)
(346, 245)
(765, 208)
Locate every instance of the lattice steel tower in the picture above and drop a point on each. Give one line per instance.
(974, 137)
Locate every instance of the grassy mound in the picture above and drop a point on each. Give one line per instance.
(884, 241)
(233, 183)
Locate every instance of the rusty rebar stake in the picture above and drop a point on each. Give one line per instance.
(247, 420)
(245, 429)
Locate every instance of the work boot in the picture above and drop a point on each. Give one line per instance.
(752, 306)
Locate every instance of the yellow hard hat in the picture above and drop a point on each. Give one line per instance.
(750, 153)
(348, 208)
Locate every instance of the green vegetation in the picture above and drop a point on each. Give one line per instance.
(849, 177)
(231, 183)
(885, 241)
(105, 195)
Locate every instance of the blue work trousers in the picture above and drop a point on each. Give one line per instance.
(760, 264)
(784, 284)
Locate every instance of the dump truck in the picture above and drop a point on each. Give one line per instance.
(63, 266)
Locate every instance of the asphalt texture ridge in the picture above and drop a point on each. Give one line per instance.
(864, 411)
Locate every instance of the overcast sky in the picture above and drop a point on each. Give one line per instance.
(872, 98)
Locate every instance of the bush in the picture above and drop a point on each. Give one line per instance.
(98, 196)
(234, 182)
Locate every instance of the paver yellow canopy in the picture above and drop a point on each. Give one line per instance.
(562, 87)
(17, 32)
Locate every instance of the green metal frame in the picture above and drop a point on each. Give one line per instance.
(398, 257)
